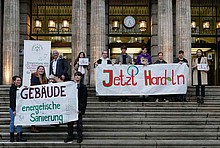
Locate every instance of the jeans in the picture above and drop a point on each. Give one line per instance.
(12, 127)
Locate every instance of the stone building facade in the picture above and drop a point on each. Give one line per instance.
(168, 28)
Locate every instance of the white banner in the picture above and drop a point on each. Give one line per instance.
(35, 53)
(53, 103)
(153, 79)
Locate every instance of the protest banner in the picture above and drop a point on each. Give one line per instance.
(54, 103)
(35, 53)
(154, 79)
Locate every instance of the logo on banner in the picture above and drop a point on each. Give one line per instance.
(37, 48)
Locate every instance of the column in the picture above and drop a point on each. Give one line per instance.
(154, 30)
(11, 40)
(97, 33)
(79, 29)
(183, 30)
(25, 27)
(1, 16)
(165, 29)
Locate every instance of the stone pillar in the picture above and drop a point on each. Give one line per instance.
(183, 30)
(1, 58)
(11, 42)
(79, 29)
(25, 28)
(97, 33)
(165, 29)
(154, 30)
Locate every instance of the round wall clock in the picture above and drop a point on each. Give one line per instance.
(129, 21)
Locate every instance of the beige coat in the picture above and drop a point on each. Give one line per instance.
(120, 59)
(204, 77)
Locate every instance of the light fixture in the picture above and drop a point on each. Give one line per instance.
(218, 25)
(65, 25)
(51, 25)
(143, 25)
(38, 24)
(193, 25)
(115, 25)
(206, 24)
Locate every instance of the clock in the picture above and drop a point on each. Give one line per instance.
(129, 21)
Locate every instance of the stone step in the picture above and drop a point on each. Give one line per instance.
(143, 115)
(125, 128)
(143, 121)
(118, 144)
(125, 135)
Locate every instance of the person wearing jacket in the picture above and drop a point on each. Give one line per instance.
(38, 78)
(104, 59)
(12, 109)
(82, 103)
(200, 76)
(123, 58)
(59, 67)
(143, 58)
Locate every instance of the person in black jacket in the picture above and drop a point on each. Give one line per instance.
(12, 109)
(82, 103)
(104, 59)
(59, 67)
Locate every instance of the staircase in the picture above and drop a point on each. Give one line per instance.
(145, 123)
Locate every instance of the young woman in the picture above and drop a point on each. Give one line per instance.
(38, 78)
(200, 76)
(12, 109)
(81, 68)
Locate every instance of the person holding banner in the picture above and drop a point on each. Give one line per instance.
(79, 67)
(12, 109)
(180, 59)
(123, 58)
(200, 68)
(82, 103)
(104, 59)
(38, 78)
(160, 61)
(59, 67)
(143, 58)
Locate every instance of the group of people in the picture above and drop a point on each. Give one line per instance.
(58, 73)
(144, 58)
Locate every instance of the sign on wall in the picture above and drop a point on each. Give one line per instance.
(35, 53)
(153, 79)
(54, 103)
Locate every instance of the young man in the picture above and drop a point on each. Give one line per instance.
(123, 58)
(59, 67)
(143, 58)
(160, 59)
(82, 103)
(180, 59)
(104, 59)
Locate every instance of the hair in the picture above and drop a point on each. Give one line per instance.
(159, 53)
(15, 77)
(104, 51)
(42, 78)
(124, 47)
(77, 59)
(201, 52)
(181, 52)
(78, 74)
(144, 47)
